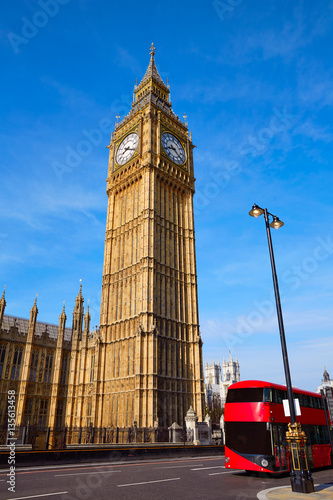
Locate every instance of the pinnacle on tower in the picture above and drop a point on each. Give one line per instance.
(34, 308)
(79, 299)
(3, 295)
(63, 313)
(152, 72)
(151, 85)
(2, 306)
(33, 318)
(87, 319)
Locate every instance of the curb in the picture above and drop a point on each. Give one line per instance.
(288, 494)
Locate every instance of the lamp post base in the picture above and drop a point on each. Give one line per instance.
(300, 474)
(301, 484)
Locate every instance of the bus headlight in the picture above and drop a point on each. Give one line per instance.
(227, 460)
(264, 462)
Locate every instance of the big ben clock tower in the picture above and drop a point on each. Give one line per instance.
(150, 350)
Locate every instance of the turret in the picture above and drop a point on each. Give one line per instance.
(32, 321)
(33, 312)
(2, 306)
(62, 324)
(62, 318)
(87, 319)
(78, 316)
(86, 327)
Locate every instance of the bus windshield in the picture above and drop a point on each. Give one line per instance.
(247, 395)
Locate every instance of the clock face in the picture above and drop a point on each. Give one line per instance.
(127, 148)
(173, 148)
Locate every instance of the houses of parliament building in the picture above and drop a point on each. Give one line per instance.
(143, 365)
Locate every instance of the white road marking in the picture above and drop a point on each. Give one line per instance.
(216, 467)
(175, 467)
(228, 472)
(148, 482)
(38, 496)
(87, 473)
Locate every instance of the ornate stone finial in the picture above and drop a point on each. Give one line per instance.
(34, 309)
(63, 316)
(152, 50)
(191, 415)
(2, 305)
(79, 299)
(118, 116)
(87, 319)
(185, 117)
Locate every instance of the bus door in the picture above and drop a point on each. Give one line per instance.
(278, 436)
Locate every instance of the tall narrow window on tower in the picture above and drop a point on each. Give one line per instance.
(150, 347)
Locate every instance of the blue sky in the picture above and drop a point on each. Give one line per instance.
(255, 81)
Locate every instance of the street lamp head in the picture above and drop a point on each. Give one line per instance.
(277, 223)
(256, 211)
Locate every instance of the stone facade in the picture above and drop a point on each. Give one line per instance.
(39, 361)
(151, 350)
(143, 366)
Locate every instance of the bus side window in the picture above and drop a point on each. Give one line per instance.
(267, 398)
(277, 396)
(324, 432)
(301, 398)
(313, 434)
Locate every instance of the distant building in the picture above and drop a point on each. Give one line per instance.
(218, 380)
(326, 387)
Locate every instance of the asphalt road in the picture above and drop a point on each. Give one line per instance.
(165, 479)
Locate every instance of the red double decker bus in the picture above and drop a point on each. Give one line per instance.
(256, 425)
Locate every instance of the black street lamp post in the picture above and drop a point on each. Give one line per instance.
(300, 474)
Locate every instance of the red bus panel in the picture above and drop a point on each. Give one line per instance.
(255, 427)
